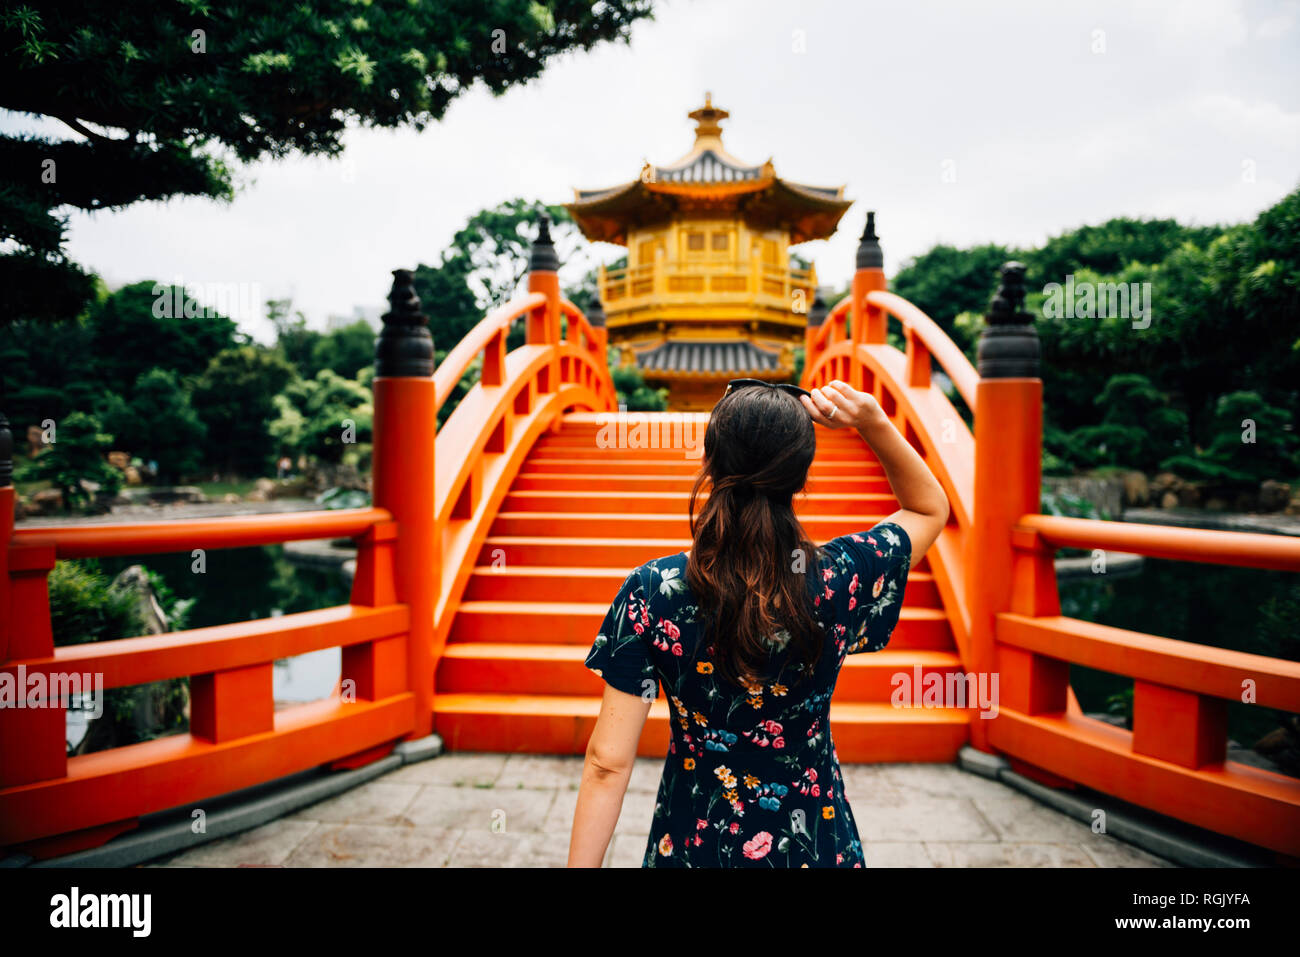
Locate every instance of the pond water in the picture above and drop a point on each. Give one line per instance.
(1242, 609)
(241, 584)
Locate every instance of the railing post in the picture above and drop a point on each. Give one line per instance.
(1008, 466)
(32, 737)
(596, 319)
(405, 423)
(544, 323)
(816, 316)
(867, 322)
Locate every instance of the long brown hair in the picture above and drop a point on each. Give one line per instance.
(744, 567)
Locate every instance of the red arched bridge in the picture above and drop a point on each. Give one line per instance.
(492, 551)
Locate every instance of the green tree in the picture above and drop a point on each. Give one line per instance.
(157, 422)
(946, 281)
(1110, 247)
(164, 95)
(482, 269)
(1139, 428)
(1224, 314)
(235, 398)
(322, 416)
(292, 337)
(52, 371)
(77, 455)
(631, 389)
(484, 265)
(85, 607)
(1250, 440)
(346, 350)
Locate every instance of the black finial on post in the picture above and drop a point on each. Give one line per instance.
(817, 313)
(869, 253)
(596, 314)
(405, 345)
(543, 257)
(1008, 346)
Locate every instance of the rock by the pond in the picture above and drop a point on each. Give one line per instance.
(45, 501)
(291, 488)
(1273, 495)
(1136, 488)
(177, 493)
(135, 580)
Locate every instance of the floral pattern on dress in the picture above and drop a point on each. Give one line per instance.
(751, 778)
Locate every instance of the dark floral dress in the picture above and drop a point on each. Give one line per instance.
(751, 778)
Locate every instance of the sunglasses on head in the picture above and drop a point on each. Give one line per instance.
(793, 390)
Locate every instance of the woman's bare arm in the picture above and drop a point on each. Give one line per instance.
(611, 753)
(923, 506)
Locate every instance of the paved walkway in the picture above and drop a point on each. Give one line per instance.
(498, 810)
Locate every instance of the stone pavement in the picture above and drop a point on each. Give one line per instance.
(498, 810)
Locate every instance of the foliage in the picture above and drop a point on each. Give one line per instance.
(631, 389)
(235, 397)
(320, 417)
(166, 97)
(343, 498)
(346, 350)
(1250, 440)
(1110, 247)
(481, 269)
(85, 607)
(1277, 626)
(132, 332)
(52, 370)
(76, 455)
(484, 265)
(1138, 427)
(156, 422)
(1068, 504)
(945, 282)
(1143, 391)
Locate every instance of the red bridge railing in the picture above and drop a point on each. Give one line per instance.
(434, 498)
(994, 565)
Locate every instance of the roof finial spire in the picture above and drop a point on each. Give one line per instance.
(707, 119)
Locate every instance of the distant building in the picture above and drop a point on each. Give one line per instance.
(709, 293)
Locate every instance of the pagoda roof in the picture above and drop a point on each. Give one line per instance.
(709, 359)
(710, 181)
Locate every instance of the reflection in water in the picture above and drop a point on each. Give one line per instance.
(241, 584)
(1242, 609)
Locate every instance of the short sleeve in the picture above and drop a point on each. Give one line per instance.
(621, 654)
(863, 577)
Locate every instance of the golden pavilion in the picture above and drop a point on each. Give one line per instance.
(709, 292)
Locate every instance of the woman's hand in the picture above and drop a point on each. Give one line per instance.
(837, 405)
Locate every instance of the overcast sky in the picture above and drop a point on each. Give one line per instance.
(961, 122)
